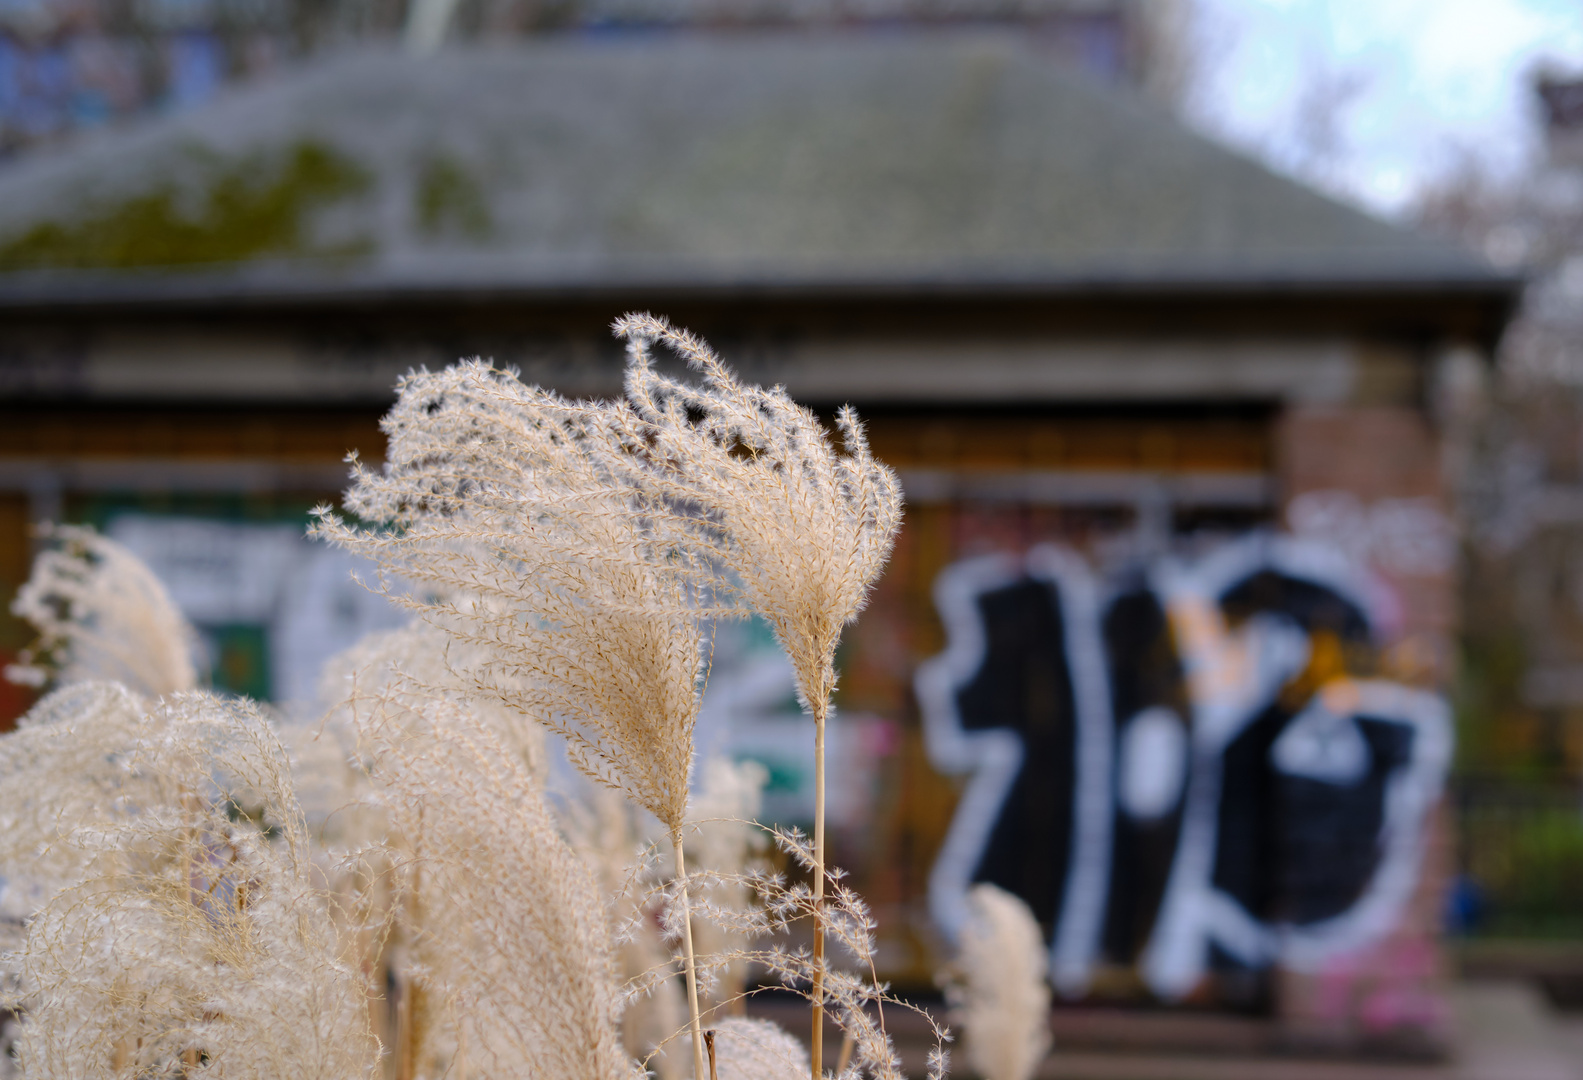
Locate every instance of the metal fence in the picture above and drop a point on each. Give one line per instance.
(1519, 859)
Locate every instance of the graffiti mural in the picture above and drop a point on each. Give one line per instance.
(1198, 762)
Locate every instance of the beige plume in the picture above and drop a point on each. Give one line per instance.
(509, 939)
(513, 508)
(997, 987)
(195, 935)
(101, 614)
(802, 530)
(757, 1050)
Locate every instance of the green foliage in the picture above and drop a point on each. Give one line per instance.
(260, 204)
(450, 201)
(1529, 859)
(1495, 727)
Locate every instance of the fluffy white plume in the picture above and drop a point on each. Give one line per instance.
(67, 766)
(757, 1050)
(517, 507)
(802, 529)
(101, 614)
(511, 967)
(504, 499)
(997, 987)
(195, 937)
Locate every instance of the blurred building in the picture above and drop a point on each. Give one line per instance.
(68, 66)
(1161, 645)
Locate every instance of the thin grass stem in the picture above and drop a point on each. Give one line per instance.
(692, 967)
(817, 1052)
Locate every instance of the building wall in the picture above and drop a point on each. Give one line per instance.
(245, 468)
(1376, 471)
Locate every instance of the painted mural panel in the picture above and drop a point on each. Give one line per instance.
(269, 605)
(1194, 765)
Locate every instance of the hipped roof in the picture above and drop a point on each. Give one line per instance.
(895, 160)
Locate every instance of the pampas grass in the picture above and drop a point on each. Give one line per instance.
(387, 889)
(101, 614)
(508, 502)
(802, 530)
(757, 1050)
(502, 501)
(510, 948)
(67, 766)
(194, 937)
(997, 987)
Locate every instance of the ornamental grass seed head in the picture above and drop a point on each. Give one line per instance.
(801, 529)
(997, 987)
(757, 1050)
(194, 936)
(508, 504)
(101, 614)
(509, 940)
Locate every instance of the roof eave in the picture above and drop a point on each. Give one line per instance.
(274, 287)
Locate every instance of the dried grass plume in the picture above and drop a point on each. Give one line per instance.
(101, 614)
(997, 987)
(196, 937)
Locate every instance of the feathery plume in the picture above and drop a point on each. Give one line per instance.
(514, 506)
(101, 614)
(502, 499)
(509, 935)
(757, 1050)
(603, 829)
(196, 936)
(421, 656)
(66, 767)
(802, 530)
(997, 987)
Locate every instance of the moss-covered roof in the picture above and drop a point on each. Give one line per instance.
(887, 157)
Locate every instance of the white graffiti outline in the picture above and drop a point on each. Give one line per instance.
(1410, 796)
(993, 757)
(1232, 675)
(1088, 868)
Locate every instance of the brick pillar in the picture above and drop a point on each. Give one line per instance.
(1375, 470)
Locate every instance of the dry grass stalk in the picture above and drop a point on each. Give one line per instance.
(997, 987)
(856, 997)
(101, 614)
(515, 507)
(802, 530)
(603, 829)
(729, 846)
(195, 935)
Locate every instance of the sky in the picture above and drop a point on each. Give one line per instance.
(1375, 99)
